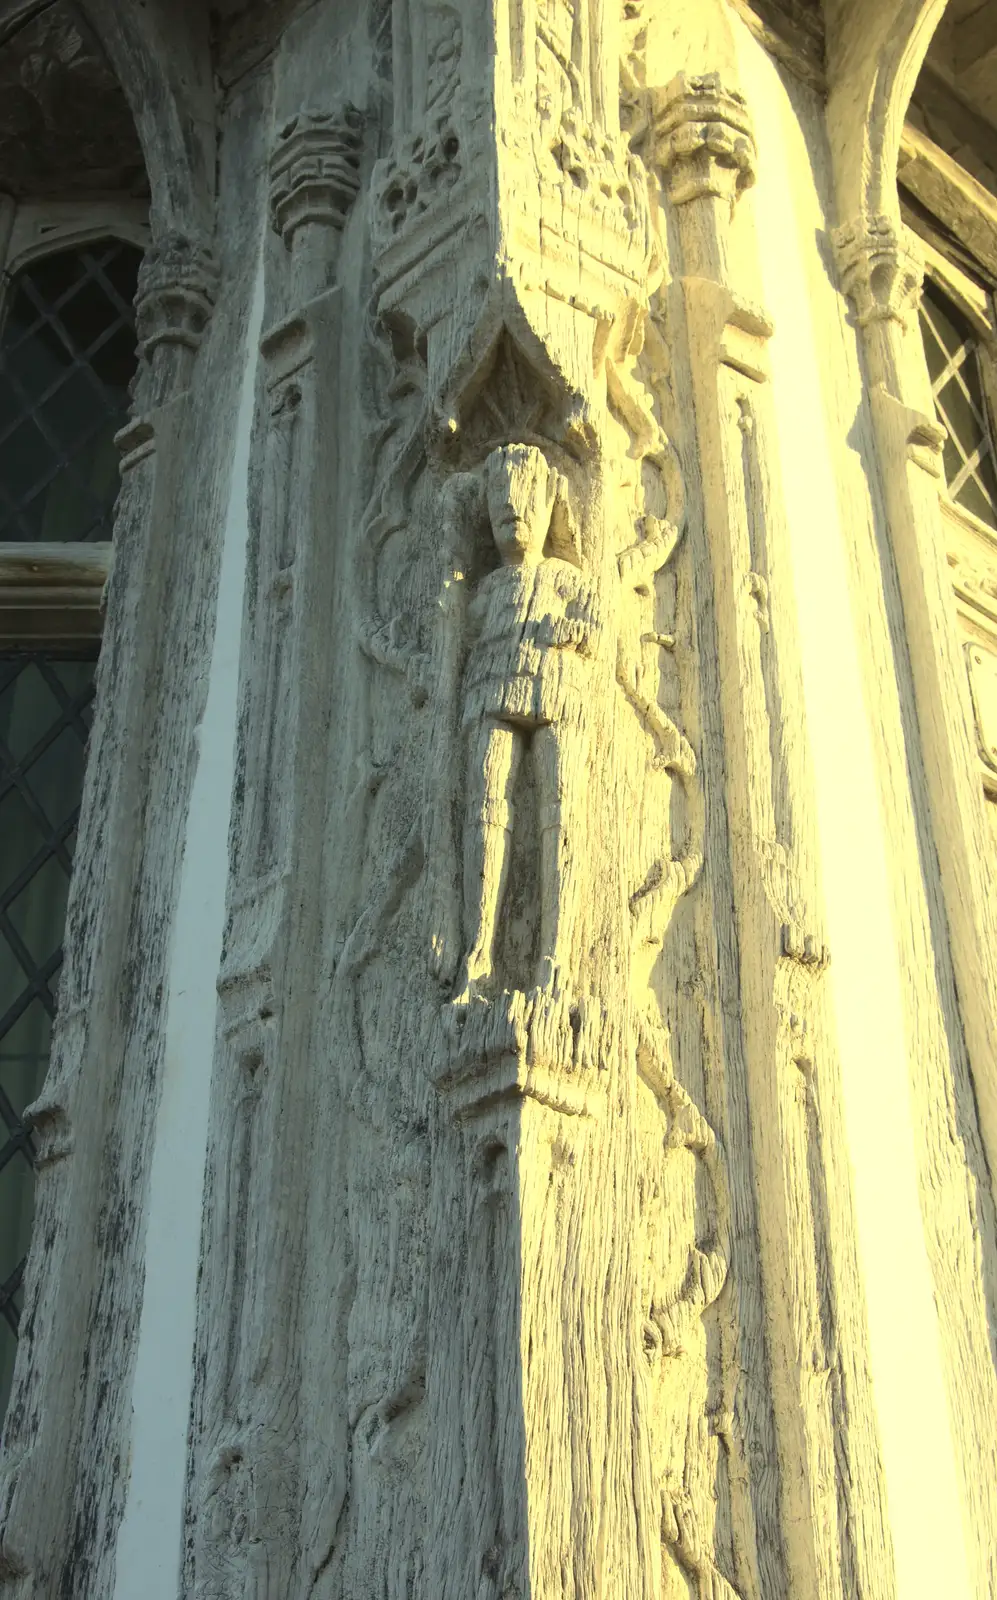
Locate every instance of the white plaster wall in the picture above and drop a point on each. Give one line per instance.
(150, 1538)
(813, 380)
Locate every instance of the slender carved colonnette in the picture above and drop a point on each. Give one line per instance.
(778, 1050)
(263, 1490)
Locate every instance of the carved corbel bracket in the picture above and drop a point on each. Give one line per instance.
(704, 141)
(315, 170)
(177, 289)
(540, 1046)
(881, 269)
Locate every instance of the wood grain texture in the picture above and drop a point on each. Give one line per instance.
(953, 1080)
(67, 1431)
(530, 1262)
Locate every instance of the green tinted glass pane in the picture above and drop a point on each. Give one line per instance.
(21, 825)
(55, 777)
(37, 914)
(21, 684)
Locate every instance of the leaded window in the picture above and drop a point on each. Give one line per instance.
(67, 356)
(45, 707)
(953, 356)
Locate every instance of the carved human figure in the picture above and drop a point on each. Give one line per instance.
(543, 655)
(537, 638)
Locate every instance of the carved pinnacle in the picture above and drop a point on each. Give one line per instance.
(315, 170)
(703, 138)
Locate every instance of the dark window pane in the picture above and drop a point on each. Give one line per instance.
(67, 357)
(952, 353)
(45, 709)
(39, 911)
(16, 1205)
(23, 1054)
(8, 1350)
(980, 497)
(934, 350)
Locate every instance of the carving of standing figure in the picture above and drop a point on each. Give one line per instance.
(537, 639)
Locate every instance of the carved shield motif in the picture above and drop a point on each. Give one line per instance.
(982, 666)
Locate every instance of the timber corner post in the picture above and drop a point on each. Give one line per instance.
(265, 1488)
(526, 1265)
(781, 1063)
(80, 1291)
(874, 59)
(522, 888)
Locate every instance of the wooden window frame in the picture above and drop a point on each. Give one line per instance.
(968, 212)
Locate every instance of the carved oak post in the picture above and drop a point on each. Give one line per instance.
(874, 55)
(94, 1119)
(705, 152)
(259, 1489)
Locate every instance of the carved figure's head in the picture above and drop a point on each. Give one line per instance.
(521, 488)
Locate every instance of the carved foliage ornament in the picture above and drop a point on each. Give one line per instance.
(881, 269)
(177, 288)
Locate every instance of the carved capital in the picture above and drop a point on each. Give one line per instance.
(703, 139)
(881, 269)
(177, 288)
(315, 170)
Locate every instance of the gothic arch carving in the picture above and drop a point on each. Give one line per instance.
(161, 54)
(875, 49)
